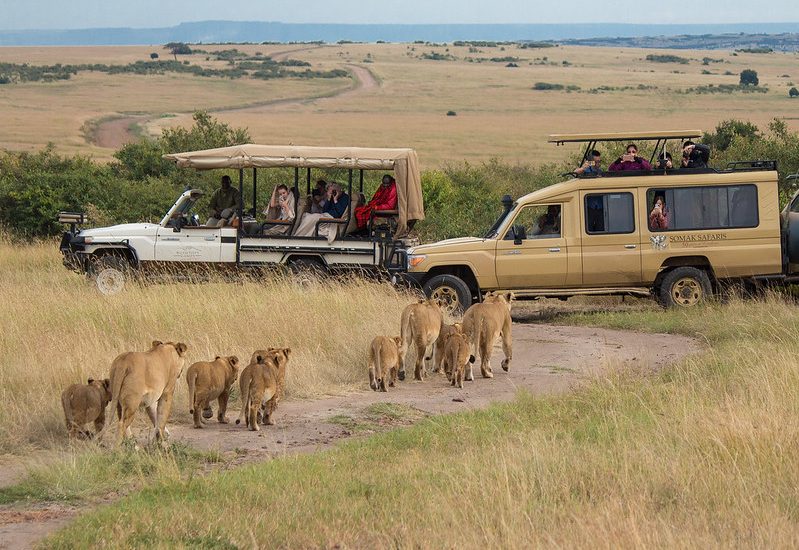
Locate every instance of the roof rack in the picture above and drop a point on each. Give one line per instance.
(624, 136)
(749, 165)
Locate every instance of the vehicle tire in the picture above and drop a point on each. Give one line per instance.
(110, 272)
(684, 287)
(451, 290)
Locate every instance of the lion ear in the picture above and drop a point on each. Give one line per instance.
(509, 297)
(233, 360)
(181, 348)
(259, 359)
(90, 380)
(217, 358)
(107, 383)
(156, 343)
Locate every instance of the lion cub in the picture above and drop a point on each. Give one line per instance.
(383, 362)
(261, 385)
(445, 332)
(84, 403)
(457, 355)
(208, 381)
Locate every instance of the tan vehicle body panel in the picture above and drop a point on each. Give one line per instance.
(598, 263)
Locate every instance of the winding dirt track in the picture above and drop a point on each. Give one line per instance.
(116, 132)
(547, 359)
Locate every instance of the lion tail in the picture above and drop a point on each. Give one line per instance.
(66, 402)
(118, 376)
(191, 380)
(245, 403)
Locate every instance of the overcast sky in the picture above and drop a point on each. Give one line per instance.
(79, 14)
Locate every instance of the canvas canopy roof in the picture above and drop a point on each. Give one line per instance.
(625, 136)
(403, 162)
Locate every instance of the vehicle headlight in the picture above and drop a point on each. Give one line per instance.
(416, 259)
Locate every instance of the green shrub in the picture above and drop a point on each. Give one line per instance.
(547, 86)
(656, 58)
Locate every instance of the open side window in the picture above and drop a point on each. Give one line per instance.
(609, 213)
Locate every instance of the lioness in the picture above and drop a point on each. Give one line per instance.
(146, 378)
(260, 385)
(84, 403)
(383, 362)
(208, 381)
(457, 355)
(421, 324)
(482, 324)
(446, 332)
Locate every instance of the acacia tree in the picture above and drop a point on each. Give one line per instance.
(749, 78)
(176, 48)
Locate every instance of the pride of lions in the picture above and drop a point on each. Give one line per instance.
(450, 348)
(148, 378)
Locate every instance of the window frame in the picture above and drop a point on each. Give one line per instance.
(539, 236)
(603, 194)
(713, 228)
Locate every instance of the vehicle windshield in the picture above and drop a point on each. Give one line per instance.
(493, 232)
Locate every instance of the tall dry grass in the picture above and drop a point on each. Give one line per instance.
(704, 454)
(58, 330)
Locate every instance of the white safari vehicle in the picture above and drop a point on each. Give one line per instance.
(111, 254)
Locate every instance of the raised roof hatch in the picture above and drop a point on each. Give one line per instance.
(625, 136)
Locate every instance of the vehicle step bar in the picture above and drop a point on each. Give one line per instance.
(558, 292)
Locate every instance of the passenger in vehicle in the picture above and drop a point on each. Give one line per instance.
(336, 207)
(630, 161)
(659, 217)
(281, 207)
(591, 166)
(695, 155)
(385, 198)
(595, 217)
(549, 223)
(319, 197)
(225, 202)
(665, 161)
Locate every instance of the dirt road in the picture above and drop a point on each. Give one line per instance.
(546, 359)
(114, 133)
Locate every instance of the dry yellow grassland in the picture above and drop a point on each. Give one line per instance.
(499, 115)
(58, 330)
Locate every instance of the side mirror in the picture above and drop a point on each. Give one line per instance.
(519, 234)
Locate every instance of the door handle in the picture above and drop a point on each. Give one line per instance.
(211, 238)
(629, 246)
(555, 249)
(170, 238)
(513, 252)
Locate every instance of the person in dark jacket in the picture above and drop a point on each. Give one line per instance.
(225, 203)
(630, 161)
(695, 155)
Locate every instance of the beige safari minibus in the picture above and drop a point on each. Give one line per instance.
(670, 233)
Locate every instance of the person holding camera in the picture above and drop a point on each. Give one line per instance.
(591, 166)
(659, 217)
(665, 161)
(695, 155)
(336, 207)
(630, 161)
(281, 207)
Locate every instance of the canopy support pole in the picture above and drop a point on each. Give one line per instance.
(240, 229)
(254, 191)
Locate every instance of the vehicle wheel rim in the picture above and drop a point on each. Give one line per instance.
(110, 281)
(687, 292)
(448, 297)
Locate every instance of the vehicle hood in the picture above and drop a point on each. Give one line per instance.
(460, 244)
(122, 230)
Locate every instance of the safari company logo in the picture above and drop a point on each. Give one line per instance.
(659, 242)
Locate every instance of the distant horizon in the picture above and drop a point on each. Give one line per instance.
(454, 24)
(225, 31)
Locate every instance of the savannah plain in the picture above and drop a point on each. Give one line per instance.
(498, 112)
(619, 424)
